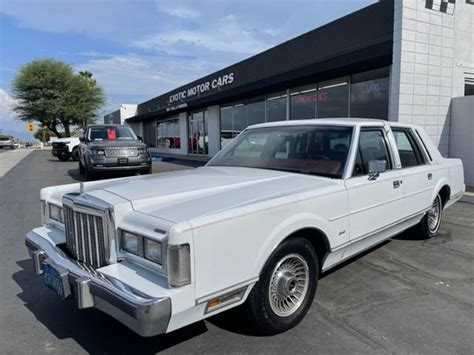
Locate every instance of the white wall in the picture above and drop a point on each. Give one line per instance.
(428, 49)
(126, 111)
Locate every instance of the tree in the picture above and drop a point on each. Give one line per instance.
(48, 91)
(42, 133)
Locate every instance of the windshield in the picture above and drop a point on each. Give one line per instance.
(111, 133)
(316, 150)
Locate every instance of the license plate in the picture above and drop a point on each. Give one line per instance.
(53, 280)
(123, 160)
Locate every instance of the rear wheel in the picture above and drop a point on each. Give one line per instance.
(285, 291)
(430, 223)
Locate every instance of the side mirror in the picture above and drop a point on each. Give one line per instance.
(375, 167)
(140, 138)
(82, 139)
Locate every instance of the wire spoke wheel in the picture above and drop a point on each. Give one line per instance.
(288, 285)
(434, 215)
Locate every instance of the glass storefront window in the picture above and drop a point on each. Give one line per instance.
(303, 102)
(168, 134)
(333, 99)
(240, 118)
(276, 107)
(369, 94)
(227, 132)
(198, 137)
(256, 110)
(149, 133)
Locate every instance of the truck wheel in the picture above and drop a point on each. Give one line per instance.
(75, 154)
(81, 168)
(430, 223)
(63, 157)
(285, 291)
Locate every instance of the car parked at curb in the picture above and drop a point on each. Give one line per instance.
(112, 148)
(280, 204)
(66, 148)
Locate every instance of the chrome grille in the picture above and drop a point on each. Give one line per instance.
(121, 152)
(85, 236)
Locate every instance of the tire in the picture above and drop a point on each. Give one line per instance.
(265, 306)
(89, 175)
(75, 154)
(63, 157)
(82, 170)
(429, 225)
(146, 172)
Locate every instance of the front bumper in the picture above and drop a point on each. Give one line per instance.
(60, 150)
(104, 163)
(146, 315)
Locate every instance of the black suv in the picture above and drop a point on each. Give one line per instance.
(112, 148)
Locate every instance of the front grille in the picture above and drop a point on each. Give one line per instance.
(121, 152)
(58, 145)
(85, 236)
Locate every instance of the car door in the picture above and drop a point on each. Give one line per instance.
(375, 203)
(415, 173)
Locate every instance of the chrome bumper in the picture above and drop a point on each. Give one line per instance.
(147, 316)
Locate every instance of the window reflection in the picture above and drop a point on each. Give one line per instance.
(168, 134)
(333, 99)
(198, 137)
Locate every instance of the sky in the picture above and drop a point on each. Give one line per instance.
(139, 49)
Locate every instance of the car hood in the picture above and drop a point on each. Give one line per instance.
(185, 195)
(66, 139)
(116, 144)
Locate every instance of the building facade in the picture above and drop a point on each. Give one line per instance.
(395, 60)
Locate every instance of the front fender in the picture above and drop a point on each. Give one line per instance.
(288, 227)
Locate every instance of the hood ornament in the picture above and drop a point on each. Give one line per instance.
(81, 188)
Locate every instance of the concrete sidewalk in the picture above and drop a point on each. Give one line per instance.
(9, 159)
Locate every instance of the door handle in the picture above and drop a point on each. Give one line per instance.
(430, 176)
(396, 184)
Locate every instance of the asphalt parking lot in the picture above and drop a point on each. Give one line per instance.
(407, 296)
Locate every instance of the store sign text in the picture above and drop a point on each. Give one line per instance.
(199, 89)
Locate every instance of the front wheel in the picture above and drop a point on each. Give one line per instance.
(63, 157)
(82, 170)
(430, 223)
(286, 288)
(75, 154)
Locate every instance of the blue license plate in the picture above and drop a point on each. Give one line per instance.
(53, 280)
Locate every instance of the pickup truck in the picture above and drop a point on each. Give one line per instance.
(255, 227)
(66, 148)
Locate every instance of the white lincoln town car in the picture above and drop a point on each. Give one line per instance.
(254, 228)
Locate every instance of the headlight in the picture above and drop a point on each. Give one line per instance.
(130, 242)
(97, 152)
(142, 150)
(152, 250)
(142, 246)
(56, 213)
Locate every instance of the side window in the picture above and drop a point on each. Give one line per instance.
(372, 146)
(409, 152)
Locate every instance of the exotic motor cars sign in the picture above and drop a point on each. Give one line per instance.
(201, 88)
